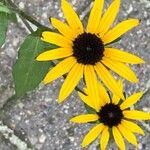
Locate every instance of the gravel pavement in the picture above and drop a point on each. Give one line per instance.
(37, 121)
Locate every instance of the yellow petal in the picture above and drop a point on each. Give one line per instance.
(108, 17)
(71, 17)
(120, 84)
(128, 134)
(55, 54)
(108, 79)
(85, 118)
(71, 81)
(85, 90)
(121, 69)
(92, 135)
(131, 100)
(135, 114)
(118, 55)
(118, 138)
(95, 16)
(60, 69)
(132, 127)
(103, 93)
(104, 138)
(115, 98)
(91, 83)
(63, 28)
(87, 99)
(57, 39)
(119, 30)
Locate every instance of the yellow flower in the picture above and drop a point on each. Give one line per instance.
(85, 50)
(112, 115)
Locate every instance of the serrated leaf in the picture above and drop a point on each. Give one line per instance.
(3, 27)
(28, 72)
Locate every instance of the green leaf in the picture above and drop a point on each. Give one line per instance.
(28, 72)
(4, 8)
(3, 27)
(13, 17)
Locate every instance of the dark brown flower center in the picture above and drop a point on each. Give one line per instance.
(111, 115)
(88, 49)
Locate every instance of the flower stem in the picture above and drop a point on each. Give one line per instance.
(27, 24)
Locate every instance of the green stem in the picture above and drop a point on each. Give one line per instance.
(14, 8)
(27, 24)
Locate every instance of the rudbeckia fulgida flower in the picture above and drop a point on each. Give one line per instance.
(84, 51)
(112, 115)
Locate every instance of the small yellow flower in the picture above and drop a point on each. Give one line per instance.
(112, 115)
(85, 50)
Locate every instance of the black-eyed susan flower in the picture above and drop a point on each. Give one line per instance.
(114, 115)
(84, 50)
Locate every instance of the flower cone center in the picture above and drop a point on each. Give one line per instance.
(111, 115)
(88, 49)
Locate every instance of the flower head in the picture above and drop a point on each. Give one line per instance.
(112, 115)
(85, 50)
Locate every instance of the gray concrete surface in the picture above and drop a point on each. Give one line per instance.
(36, 121)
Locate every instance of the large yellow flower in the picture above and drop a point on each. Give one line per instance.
(113, 116)
(85, 50)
